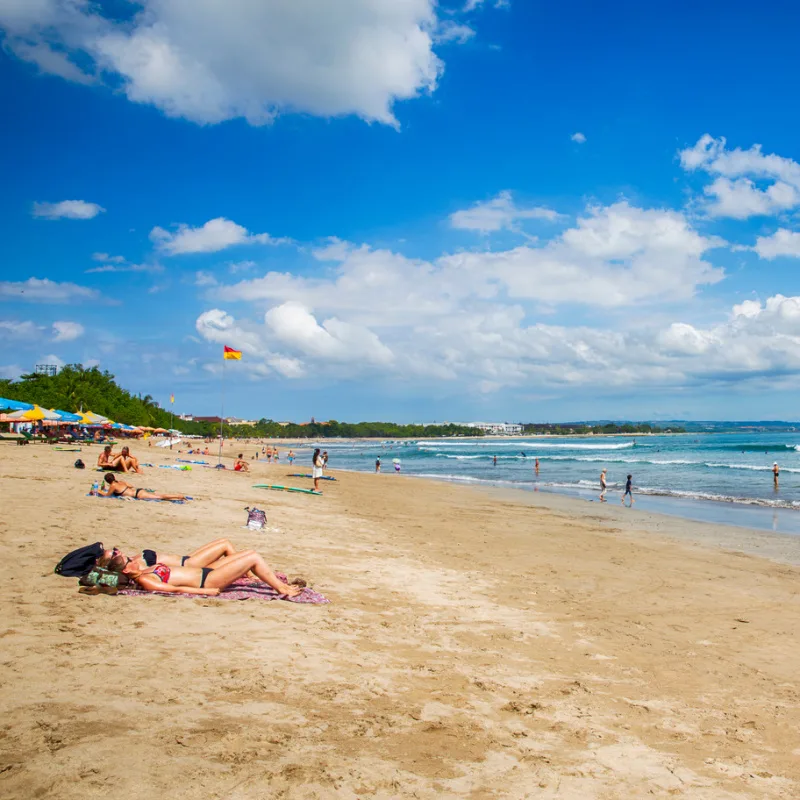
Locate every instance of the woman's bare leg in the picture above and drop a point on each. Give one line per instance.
(145, 495)
(239, 565)
(211, 554)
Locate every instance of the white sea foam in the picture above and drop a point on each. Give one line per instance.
(527, 445)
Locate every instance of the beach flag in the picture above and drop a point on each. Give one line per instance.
(229, 353)
(172, 398)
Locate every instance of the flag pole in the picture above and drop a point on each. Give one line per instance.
(221, 411)
(171, 417)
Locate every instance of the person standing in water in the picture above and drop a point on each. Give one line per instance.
(494, 460)
(628, 491)
(536, 466)
(603, 486)
(775, 473)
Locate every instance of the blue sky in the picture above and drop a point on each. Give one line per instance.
(484, 210)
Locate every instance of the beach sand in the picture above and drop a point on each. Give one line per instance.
(478, 644)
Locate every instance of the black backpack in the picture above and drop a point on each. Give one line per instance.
(79, 562)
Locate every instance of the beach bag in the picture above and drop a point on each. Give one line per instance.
(256, 519)
(80, 465)
(79, 562)
(105, 577)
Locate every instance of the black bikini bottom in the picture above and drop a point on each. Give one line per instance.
(206, 572)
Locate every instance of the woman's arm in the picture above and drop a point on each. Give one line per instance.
(151, 584)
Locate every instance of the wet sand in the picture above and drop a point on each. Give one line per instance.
(476, 645)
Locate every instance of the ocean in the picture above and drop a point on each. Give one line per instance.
(724, 478)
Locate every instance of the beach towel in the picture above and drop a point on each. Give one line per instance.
(117, 497)
(241, 589)
(184, 468)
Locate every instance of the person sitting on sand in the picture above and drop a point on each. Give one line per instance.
(207, 581)
(107, 459)
(211, 555)
(131, 464)
(240, 465)
(120, 488)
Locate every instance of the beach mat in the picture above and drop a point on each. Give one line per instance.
(302, 475)
(278, 488)
(241, 589)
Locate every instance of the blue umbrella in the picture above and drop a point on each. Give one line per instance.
(14, 405)
(67, 417)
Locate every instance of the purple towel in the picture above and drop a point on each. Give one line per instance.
(241, 589)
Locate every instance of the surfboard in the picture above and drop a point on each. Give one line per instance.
(279, 488)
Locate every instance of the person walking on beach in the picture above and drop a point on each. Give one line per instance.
(316, 471)
(628, 492)
(290, 457)
(603, 486)
(378, 464)
(775, 473)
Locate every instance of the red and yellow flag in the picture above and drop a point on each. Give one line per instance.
(172, 398)
(231, 354)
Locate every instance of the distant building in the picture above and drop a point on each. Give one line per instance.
(213, 420)
(497, 428)
(236, 421)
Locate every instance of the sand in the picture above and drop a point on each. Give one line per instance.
(477, 645)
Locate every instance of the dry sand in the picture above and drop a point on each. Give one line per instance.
(476, 646)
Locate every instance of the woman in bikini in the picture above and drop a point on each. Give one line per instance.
(120, 488)
(207, 581)
(211, 555)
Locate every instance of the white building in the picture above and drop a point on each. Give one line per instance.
(497, 428)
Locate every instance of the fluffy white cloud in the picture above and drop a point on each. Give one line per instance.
(781, 243)
(11, 371)
(108, 259)
(471, 316)
(67, 209)
(734, 193)
(451, 31)
(19, 331)
(67, 331)
(210, 61)
(499, 213)
(215, 235)
(578, 137)
(43, 290)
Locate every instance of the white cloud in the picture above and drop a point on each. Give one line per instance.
(51, 359)
(11, 372)
(578, 137)
(215, 235)
(471, 316)
(118, 264)
(499, 213)
(210, 61)
(21, 331)
(67, 331)
(734, 192)
(781, 243)
(43, 290)
(204, 279)
(108, 259)
(450, 31)
(67, 209)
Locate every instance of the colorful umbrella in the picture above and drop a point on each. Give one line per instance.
(35, 414)
(15, 405)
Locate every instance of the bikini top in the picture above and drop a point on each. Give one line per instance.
(163, 572)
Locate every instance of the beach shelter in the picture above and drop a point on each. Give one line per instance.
(14, 405)
(65, 416)
(35, 414)
(90, 418)
(160, 430)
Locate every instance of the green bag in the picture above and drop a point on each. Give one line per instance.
(104, 577)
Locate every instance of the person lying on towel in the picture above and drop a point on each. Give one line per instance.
(120, 488)
(202, 580)
(211, 555)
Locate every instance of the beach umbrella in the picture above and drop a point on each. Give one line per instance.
(65, 416)
(15, 405)
(35, 414)
(160, 430)
(90, 418)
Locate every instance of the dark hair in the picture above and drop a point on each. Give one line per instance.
(109, 477)
(107, 448)
(125, 448)
(629, 477)
(316, 452)
(240, 455)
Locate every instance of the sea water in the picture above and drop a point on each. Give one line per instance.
(716, 477)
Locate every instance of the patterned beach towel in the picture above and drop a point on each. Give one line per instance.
(241, 589)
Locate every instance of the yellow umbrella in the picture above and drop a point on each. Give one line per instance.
(34, 414)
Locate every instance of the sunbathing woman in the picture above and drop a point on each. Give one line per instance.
(211, 555)
(203, 580)
(120, 488)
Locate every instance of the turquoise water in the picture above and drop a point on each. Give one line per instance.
(711, 475)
